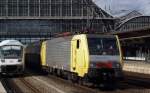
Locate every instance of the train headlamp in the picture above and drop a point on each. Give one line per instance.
(93, 65)
(116, 65)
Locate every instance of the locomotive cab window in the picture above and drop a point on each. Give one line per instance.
(103, 46)
(78, 44)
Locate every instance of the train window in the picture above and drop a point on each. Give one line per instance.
(78, 44)
(103, 46)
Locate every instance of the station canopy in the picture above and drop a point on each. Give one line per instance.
(33, 20)
(132, 21)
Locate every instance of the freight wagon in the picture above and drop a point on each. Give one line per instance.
(32, 56)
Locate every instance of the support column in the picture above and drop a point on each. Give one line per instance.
(39, 9)
(17, 7)
(28, 7)
(71, 8)
(50, 9)
(6, 8)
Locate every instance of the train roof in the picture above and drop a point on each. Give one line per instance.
(11, 42)
(101, 35)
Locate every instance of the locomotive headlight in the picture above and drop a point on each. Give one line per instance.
(104, 74)
(92, 65)
(118, 65)
(2, 60)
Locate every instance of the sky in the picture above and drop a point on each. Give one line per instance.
(121, 7)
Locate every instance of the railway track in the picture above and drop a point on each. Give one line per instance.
(139, 82)
(61, 81)
(7, 86)
(130, 85)
(89, 89)
(29, 85)
(18, 85)
(126, 86)
(56, 81)
(137, 79)
(37, 83)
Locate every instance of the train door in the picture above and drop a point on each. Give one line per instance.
(73, 55)
(77, 57)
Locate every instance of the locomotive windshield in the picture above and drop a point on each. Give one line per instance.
(103, 46)
(11, 51)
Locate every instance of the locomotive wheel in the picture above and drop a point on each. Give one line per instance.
(64, 74)
(69, 77)
(50, 70)
(83, 81)
(59, 72)
(53, 71)
(80, 81)
(72, 77)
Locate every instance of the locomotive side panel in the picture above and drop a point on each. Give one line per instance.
(58, 53)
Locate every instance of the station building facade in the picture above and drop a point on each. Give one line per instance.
(33, 20)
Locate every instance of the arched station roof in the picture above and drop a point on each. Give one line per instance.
(134, 23)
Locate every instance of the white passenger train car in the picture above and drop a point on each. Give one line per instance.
(11, 57)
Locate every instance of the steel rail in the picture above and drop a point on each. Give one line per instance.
(29, 85)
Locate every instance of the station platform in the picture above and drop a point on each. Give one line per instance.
(140, 67)
(2, 89)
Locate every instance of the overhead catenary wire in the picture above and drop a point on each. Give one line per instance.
(95, 12)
